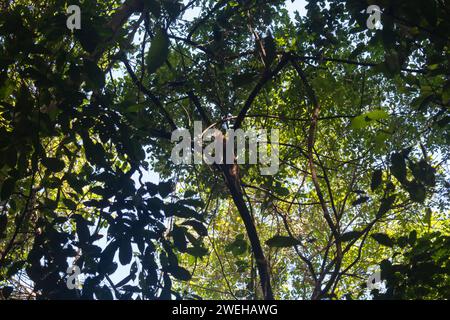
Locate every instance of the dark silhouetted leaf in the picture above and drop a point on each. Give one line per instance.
(179, 273)
(282, 242)
(3, 224)
(198, 227)
(125, 251)
(359, 201)
(386, 205)
(376, 179)
(349, 236)
(179, 238)
(7, 188)
(383, 239)
(398, 167)
(53, 164)
(158, 52)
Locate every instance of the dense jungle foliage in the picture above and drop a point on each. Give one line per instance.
(87, 115)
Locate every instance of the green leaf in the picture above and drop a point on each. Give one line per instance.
(383, 239)
(154, 7)
(95, 153)
(238, 246)
(363, 120)
(135, 108)
(51, 182)
(197, 251)
(358, 50)
(377, 114)
(359, 122)
(423, 172)
(158, 52)
(243, 79)
(282, 242)
(87, 36)
(53, 164)
(402, 241)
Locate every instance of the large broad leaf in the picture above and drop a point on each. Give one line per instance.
(125, 251)
(386, 205)
(165, 188)
(158, 52)
(383, 239)
(349, 236)
(197, 226)
(377, 178)
(82, 229)
(423, 172)
(359, 122)
(53, 164)
(363, 120)
(94, 74)
(71, 205)
(282, 242)
(377, 114)
(95, 153)
(197, 251)
(238, 246)
(7, 188)
(179, 273)
(417, 191)
(179, 238)
(427, 217)
(106, 264)
(398, 167)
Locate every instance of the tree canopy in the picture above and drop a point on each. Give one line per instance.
(86, 120)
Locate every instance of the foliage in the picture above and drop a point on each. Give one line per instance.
(363, 120)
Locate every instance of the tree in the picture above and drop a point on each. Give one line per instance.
(363, 148)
